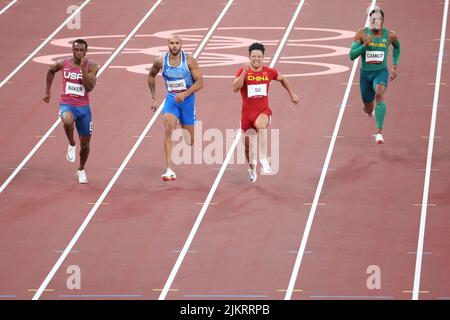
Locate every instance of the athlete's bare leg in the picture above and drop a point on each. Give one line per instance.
(85, 142)
(261, 125)
(250, 147)
(69, 126)
(170, 124)
(188, 134)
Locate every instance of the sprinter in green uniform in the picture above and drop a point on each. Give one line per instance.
(372, 44)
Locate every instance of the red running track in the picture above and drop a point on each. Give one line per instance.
(246, 244)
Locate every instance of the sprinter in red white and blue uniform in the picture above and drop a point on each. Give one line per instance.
(79, 78)
(182, 78)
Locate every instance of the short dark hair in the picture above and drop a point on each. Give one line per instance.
(80, 41)
(256, 46)
(376, 11)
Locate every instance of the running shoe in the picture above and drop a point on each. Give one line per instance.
(82, 176)
(379, 138)
(252, 174)
(169, 175)
(71, 153)
(266, 169)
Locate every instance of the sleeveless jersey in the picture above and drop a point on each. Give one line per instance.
(176, 78)
(375, 56)
(255, 91)
(73, 91)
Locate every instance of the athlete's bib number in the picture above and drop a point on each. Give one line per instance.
(75, 88)
(254, 90)
(176, 85)
(375, 57)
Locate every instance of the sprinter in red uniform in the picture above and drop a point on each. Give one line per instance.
(253, 82)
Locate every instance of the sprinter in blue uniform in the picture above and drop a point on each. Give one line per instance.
(182, 78)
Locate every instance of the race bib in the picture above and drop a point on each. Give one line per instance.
(176, 85)
(375, 57)
(75, 88)
(256, 90)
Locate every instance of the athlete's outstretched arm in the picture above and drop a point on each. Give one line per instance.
(89, 72)
(154, 70)
(50, 76)
(198, 80)
(285, 83)
(396, 54)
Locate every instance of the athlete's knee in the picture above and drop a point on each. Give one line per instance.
(379, 96)
(85, 144)
(169, 127)
(67, 119)
(379, 93)
(262, 123)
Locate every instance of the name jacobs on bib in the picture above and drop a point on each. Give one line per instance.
(176, 85)
(374, 57)
(75, 89)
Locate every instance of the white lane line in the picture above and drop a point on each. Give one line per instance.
(426, 184)
(352, 297)
(215, 185)
(28, 157)
(20, 66)
(122, 166)
(7, 6)
(58, 121)
(326, 164)
(105, 192)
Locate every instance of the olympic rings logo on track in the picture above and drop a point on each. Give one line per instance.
(212, 57)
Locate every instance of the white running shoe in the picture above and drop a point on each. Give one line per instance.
(82, 176)
(71, 153)
(169, 175)
(379, 138)
(266, 169)
(252, 174)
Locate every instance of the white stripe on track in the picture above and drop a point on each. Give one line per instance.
(119, 171)
(20, 66)
(312, 212)
(7, 7)
(215, 185)
(97, 204)
(426, 184)
(58, 121)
